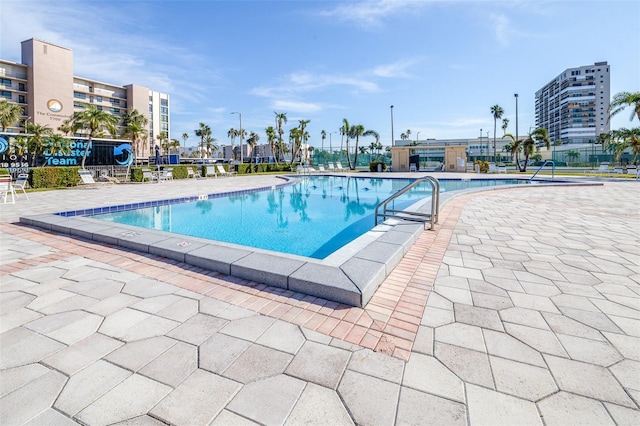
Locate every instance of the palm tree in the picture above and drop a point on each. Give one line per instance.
(67, 127)
(626, 138)
(93, 121)
(20, 145)
(505, 124)
(354, 133)
(515, 146)
(162, 141)
(271, 139)
(528, 145)
(324, 136)
(9, 114)
(210, 145)
(621, 101)
(572, 155)
(373, 145)
(295, 139)
(252, 141)
(233, 134)
(134, 127)
(185, 136)
(281, 119)
(497, 112)
(38, 133)
(202, 132)
(345, 130)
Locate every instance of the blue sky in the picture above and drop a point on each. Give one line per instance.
(442, 64)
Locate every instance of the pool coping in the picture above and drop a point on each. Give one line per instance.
(350, 276)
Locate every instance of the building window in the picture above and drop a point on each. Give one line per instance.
(78, 105)
(21, 99)
(164, 110)
(99, 108)
(150, 108)
(79, 95)
(5, 82)
(115, 101)
(91, 99)
(164, 102)
(5, 94)
(22, 87)
(99, 98)
(114, 111)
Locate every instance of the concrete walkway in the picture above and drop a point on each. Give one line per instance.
(522, 308)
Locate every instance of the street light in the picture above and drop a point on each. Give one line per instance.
(417, 137)
(330, 149)
(26, 121)
(516, 96)
(240, 114)
(481, 148)
(392, 141)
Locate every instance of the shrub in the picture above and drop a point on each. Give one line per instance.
(54, 177)
(373, 166)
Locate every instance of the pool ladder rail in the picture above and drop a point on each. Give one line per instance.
(431, 218)
(553, 170)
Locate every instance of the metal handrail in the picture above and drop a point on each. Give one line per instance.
(432, 217)
(553, 169)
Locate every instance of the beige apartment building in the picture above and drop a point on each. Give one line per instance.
(45, 86)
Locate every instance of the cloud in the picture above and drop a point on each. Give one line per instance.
(295, 106)
(395, 70)
(502, 29)
(371, 14)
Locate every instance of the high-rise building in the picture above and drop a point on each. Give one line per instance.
(573, 106)
(45, 87)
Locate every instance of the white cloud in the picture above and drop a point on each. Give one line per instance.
(295, 106)
(502, 29)
(395, 70)
(371, 13)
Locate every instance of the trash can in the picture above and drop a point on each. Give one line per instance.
(477, 168)
(379, 168)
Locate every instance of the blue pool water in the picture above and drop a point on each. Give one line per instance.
(313, 217)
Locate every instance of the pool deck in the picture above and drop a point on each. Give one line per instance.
(523, 306)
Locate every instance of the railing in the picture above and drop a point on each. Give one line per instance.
(432, 217)
(553, 169)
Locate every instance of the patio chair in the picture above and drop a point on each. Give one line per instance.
(413, 168)
(493, 168)
(6, 189)
(602, 170)
(321, 169)
(331, 167)
(502, 169)
(632, 171)
(147, 174)
(21, 183)
(223, 172)
(340, 168)
(86, 178)
(617, 170)
(165, 175)
(210, 170)
(192, 174)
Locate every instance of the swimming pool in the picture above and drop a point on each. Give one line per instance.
(313, 217)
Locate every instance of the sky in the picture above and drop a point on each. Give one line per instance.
(442, 64)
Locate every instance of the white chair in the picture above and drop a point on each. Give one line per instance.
(632, 171)
(493, 168)
(21, 183)
(412, 168)
(147, 174)
(602, 170)
(502, 169)
(165, 175)
(192, 174)
(223, 172)
(210, 170)
(321, 169)
(6, 189)
(331, 167)
(86, 177)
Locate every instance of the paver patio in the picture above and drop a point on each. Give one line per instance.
(522, 307)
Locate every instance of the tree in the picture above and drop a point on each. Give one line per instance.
(10, 113)
(375, 144)
(626, 138)
(572, 155)
(162, 141)
(324, 136)
(173, 144)
(210, 145)
(281, 119)
(497, 112)
(271, 139)
(185, 136)
(505, 124)
(528, 145)
(202, 132)
(67, 127)
(295, 140)
(19, 145)
(252, 141)
(233, 134)
(515, 146)
(93, 121)
(621, 101)
(36, 139)
(355, 132)
(134, 127)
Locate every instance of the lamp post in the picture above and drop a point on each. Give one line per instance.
(26, 121)
(392, 141)
(417, 137)
(240, 114)
(481, 148)
(489, 148)
(330, 149)
(516, 96)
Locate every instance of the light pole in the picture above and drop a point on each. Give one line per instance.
(481, 148)
(489, 148)
(330, 149)
(417, 137)
(392, 141)
(240, 114)
(516, 96)
(26, 121)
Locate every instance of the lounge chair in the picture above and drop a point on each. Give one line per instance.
(617, 170)
(331, 167)
(321, 169)
(86, 178)
(340, 168)
(210, 170)
(602, 170)
(192, 174)
(632, 171)
(413, 168)
(493, 168)
(166, 174)
(502, 169)
(223, 172)
(6, 189)
(147, 174)
(21, 183)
